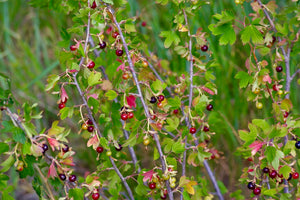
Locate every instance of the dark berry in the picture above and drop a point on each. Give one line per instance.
(152, 186)
(100, 149)
(280, 175)
(73, 48)
(119, 52)
(164, 196)
(124, 116)
(273, 39)
(72, 178)
(90, 129)
(295, 175)
(94, 5)
(272, 174)
(120, 148)
(251, 186)
(256, 191)
(95, 196)
(61, 105)
(144, 24)
(285, 114)
(130, 115)
(115, 34)
(297, 144)
(89, 122)
(153, 99)
(279, 68)
(102, 45)
(204, 48)
(161, 98)
(91, 65)
(62, 177)
(266, 170)
(45, 148)
(290, 177)
(65, 149)
(205, 129)
(193, 130)
(176, 111)
(209, 107)
(281, 181)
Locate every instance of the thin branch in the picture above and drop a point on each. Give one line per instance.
(294, 75)
(155, 136)
(51, 196)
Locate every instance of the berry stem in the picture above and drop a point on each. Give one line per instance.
(155, 137)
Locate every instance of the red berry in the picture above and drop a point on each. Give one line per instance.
(115, 34)
(73, 48)
(72, 178)
(250, 159)
(100, 149)
(209, 107)
(176, 111)
(124, 116)
(95, 196)
(64, 101)
(161, 98)
(286, 114)
(91, 65)
(144, 24)
(102, 45)
(153, 117)
(193, 130)
(275, 87)
(119, 52)
(62, 177)
(205, 128)
(61, 105)
(94, 5)
(125, 76)
(89, 122)
(256, 191)
(295, 175)
(90, 129)
(152, 186)
(130, 115)
(272, 174)
(204, 48)
(160, 105)
(65, 149)
(279, 68)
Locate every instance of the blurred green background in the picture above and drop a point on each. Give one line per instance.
(29, 38)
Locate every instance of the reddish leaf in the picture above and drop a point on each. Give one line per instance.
(209, 91)
(148, 175)
(267, 78)
(131, 101)
(68, 161)
(95, 96)
(255, 146)
(63, 94)
(52, 171)
(250, 170)
(53, 143)
(121, 67)
(93, 141)
(72, 70)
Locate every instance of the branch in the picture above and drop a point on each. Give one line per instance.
(294, 75)
(156, 139)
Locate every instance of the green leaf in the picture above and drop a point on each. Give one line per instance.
(173, 123)
(19, 135)
(263, 124)
(131, 140)
(244, 78)
(270, 153)
(174, 102)
(171, 37)
(275, 162)
(52, 80)
(4, 177)
(270, 192)
(167, 143)
(248, 137)
(251, 32)
(222, 187)
(66, 112)
(26, 148)
(75, 66)
(286, 105)
(7, 163)
(178, 147)
(130, 28)
(6, 196)
(157, 85)
(202, 154)
(94, 78)
(76, 193)
(111, 94)
(285, 171)
(155, 154)
(3, 147)
(104, 143)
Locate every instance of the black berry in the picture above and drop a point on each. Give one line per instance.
(153, 99)
(62, 177)
(102, 45)
(279, 68)
(297, 144)
(90, 128)
(120, 148)
(205, 128)
(266, 170)
(204, 48)
(251, 186)
(65, 149)
(45, 148)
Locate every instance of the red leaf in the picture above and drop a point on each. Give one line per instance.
(53, 143)
(267, 78)
(93, 141)
(131, 101)
(52, 171)
(72, 70)
(148, 175)
(95, 96)
(63, 94)
(250, 170)
(255, 146)
(122, 67)
(209, 91)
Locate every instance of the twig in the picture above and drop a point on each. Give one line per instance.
(294, 75)
(155, 137)
(51, 196)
